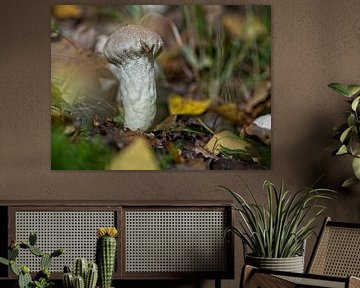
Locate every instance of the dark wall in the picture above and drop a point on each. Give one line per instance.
(314, 43)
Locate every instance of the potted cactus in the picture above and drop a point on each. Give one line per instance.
(106, 254)
(84, 275)
(42, 278)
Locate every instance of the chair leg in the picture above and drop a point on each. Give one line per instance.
(217, 283)
(246, 274)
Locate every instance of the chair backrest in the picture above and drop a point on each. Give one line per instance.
(337, 251)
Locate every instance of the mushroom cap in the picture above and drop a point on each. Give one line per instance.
(131, 42)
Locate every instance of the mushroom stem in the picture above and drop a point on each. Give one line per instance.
(133, 49)
(138, 90)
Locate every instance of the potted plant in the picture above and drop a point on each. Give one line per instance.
(42, 278)
(276, 233)
(349, 132)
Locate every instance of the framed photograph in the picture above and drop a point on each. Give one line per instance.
(160, 87)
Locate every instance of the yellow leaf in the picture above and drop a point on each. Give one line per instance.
(181, 106)
(137, 156)
(232, 112)
(67, 11)
(225, 140)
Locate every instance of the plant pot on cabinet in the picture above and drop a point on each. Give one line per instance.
(290, 264)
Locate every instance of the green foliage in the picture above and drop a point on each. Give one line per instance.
(43, 283)
(82, 154)
(349, 132)
(220, 55)
(4, 261)
(279, 229)
(42, 278)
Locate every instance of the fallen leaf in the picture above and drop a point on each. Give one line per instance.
(232, 112)
(263, 134)
(67, 11)
(81, 82)
(167, 124)
(226, 140)
(137, 156)
(204, 153)
(179, 105)
(261, 94)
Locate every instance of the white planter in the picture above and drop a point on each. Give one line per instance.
(291, 264)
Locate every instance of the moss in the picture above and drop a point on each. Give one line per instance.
(82, 154)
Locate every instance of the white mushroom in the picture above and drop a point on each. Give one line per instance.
(133, 49)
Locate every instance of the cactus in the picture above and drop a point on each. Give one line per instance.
(106, 254)
(13, 253)
(45, 261)
(24, 278)
(36, 251)
(68, 280)
(43, 274)
(14, 268)
(91, 276)
(87, 272)
(57, 252)
(32, 238)
(24, 246)
(80, 267)
(67, 269)
(79, 282)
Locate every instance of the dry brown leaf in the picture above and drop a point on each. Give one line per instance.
(261, 94)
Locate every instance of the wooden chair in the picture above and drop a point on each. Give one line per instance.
(334, 263)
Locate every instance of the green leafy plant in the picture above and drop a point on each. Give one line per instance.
(349, 132)
(42, 278)
(279, 229)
